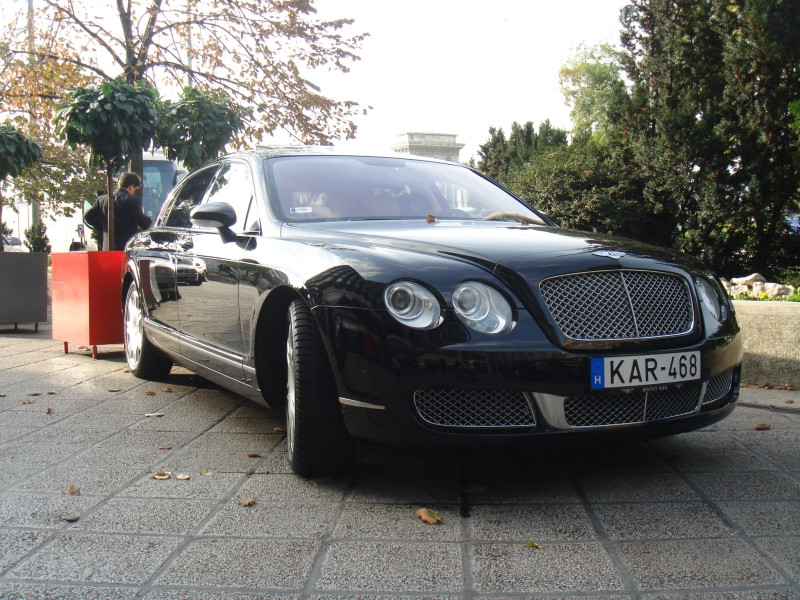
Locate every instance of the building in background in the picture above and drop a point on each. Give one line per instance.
(433, 145)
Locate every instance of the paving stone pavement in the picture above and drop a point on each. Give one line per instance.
(713, 514)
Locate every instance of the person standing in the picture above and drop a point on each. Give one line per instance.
(129, 218)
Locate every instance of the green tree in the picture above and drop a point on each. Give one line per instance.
(197, 127)
(709, 125)
(17, 154)
(36, 238)
(115, 120)
(499, 157)
(593, 86)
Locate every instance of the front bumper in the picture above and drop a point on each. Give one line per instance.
(444, 388)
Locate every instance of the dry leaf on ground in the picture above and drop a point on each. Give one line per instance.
(73, 490)
(167, 390)
(149, 393)
(154, 414)
(113, 390)
(429, 516)
(763, 427)
(71, 518)
(52, 393)
(533, 545)
(161, 475)
(29, 401)
(183, 477)
(34, 394)
(49, 410)
(247, 502)
(253, 455)
(165, 447)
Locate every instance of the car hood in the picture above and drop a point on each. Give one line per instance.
(492, 245)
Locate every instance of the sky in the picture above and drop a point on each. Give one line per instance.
(461, 67)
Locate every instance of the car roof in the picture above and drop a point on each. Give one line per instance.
(281, 151)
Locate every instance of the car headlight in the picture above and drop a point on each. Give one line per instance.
(412, 304)
(709, 296)
(482, 308)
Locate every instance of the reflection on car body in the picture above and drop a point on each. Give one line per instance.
(412, 301)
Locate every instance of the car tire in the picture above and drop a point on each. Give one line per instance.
(144, 359)
(316, 438)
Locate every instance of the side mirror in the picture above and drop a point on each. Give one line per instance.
(217, 215)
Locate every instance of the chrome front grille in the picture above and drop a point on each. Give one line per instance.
(619, 305)
(718, 388)
(474, 409)
(634, 407)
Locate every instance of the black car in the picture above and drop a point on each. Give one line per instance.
(416, 302)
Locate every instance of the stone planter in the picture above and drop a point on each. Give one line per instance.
(771, 332)
(23, 288)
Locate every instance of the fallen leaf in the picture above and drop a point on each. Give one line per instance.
(253, 455)
(167, 390)
(49, 410)
(73, 491)
(430, 219)
(789, 401)
(113, 390)
(763, 427)
(183, 477)
(787, 387)
(126, 370)
(429, 516)
(52, 393)
(83, 347)
(533, 545)
(2, 395)
(154, 414)
(279, 430)
(204, 472)
(71, 518)
(29, 401)
(165, 447)
(149, 393)
(248, 502)
(34, 394)
(764, 386)
(161, 475)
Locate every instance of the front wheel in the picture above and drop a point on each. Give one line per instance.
(317, 441)
(144, 359)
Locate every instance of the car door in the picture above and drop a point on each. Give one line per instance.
(208, 278)
(156, 257)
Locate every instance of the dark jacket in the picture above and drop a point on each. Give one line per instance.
(129, 218)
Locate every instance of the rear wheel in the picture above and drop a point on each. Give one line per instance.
(317, 441)
(144, 359)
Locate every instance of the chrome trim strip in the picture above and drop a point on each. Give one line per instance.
(359, 404)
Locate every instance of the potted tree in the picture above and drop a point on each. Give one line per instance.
(115, 120)
(23, 293)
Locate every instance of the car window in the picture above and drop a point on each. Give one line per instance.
(234, 185)
(189, 195)
(350, 188)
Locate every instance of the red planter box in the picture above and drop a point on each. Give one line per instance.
(87, 298)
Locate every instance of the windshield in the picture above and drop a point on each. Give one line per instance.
(317, 188)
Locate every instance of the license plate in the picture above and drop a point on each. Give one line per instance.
(644, 370)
